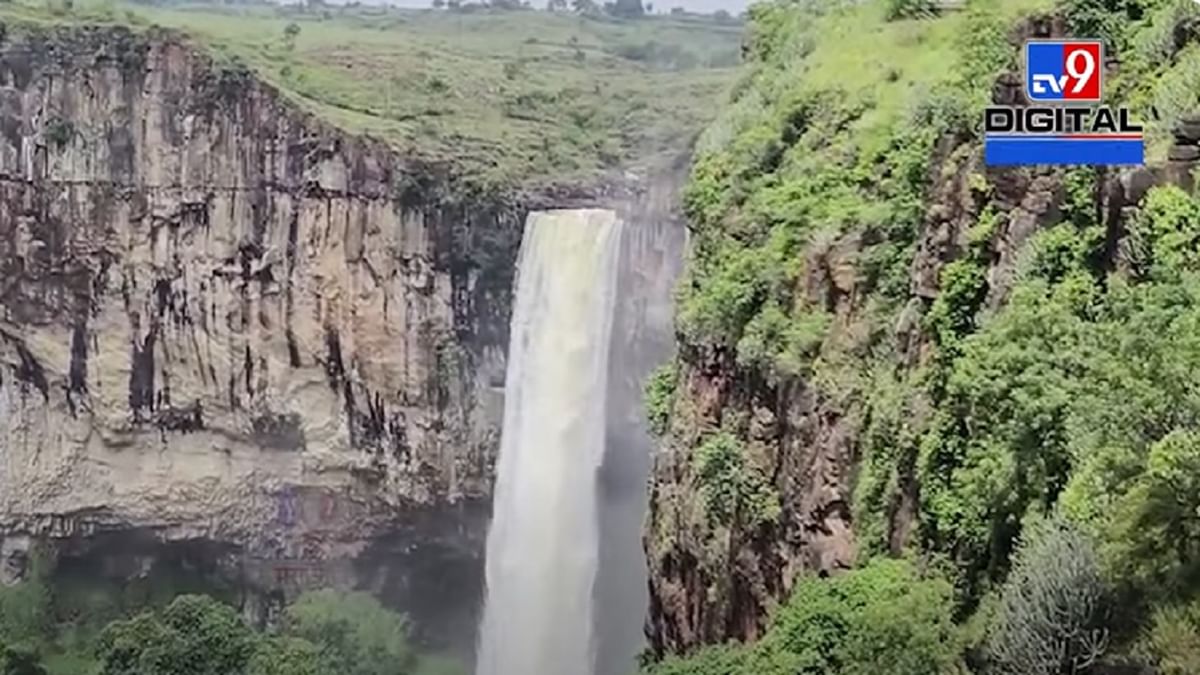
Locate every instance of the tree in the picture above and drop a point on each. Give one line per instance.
(288, 656)
(556, 5)
(290, 32)
(1052, 611)
(194, 635)
(438, 4)
(354, 631)
(26, 614)
(627, 9)
(587, 7)
(1156, 525)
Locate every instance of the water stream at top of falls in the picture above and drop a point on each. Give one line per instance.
(543, 546)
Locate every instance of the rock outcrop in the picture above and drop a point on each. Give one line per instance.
(224, 320)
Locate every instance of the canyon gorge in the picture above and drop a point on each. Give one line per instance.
(701, 345)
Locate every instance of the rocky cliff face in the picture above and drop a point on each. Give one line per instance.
(715, 581)
(223, 320)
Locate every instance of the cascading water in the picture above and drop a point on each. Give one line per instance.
(543, 547)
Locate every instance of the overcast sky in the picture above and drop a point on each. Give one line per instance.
(706, 6)
(733, 6)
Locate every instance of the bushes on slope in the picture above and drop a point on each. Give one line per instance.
(732, 488)
(1053, 606)
(1077, 394)
(887, 617)
(1172, 640)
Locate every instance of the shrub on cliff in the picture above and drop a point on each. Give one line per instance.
(1172, 641)
(714, 660)
(1052, 610)
(660, 397)
(887, 617)
(733, 488)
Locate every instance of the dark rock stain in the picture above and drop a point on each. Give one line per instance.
(248, 368)
(122, 152)
(77, 374)
(335, 369)
(377, 430)
(162, 296)
(195, 214)
(185, 419)
(141, 373)
(234, 401)
(260, 215)
(29, 371)
(278, 431)
(293, 349)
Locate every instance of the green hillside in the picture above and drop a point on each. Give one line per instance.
(504, 95)
(1015, 446)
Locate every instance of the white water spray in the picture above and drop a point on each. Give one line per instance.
(542, 549)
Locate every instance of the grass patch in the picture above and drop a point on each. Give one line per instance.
(506, 96)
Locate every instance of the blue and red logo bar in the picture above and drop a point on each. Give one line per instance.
(1069, 149)
(1064, 71)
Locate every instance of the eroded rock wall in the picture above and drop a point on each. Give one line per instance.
(221, 319)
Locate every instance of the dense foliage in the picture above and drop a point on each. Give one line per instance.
(887, 617)
(355, 633)
(1048, 434)
(321, 633)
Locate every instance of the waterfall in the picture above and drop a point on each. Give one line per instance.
(543, 546)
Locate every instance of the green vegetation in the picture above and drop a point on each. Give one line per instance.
(731, 486)
(506, 97)
(1172, 642)
(321, 633)
(887, 617)
(1051, 613)
(660, 397)
(354, 631)
(194, 635)
(1045, 434)
(19, 661)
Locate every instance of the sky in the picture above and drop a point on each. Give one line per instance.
(705, 6)
(732, 6)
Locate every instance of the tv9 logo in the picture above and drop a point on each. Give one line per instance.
(1064, 71)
